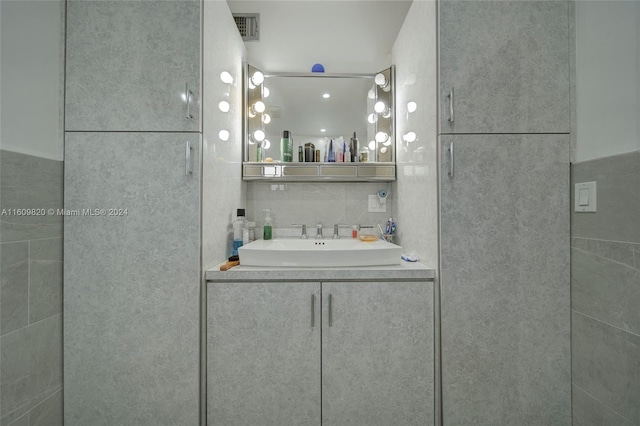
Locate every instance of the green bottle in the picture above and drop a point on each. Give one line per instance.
(268, 230)
(286, 147)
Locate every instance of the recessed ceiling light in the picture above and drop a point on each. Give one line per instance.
(323, 130)
(326, 95)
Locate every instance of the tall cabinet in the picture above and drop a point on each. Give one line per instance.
(504, 219)
(132, 227)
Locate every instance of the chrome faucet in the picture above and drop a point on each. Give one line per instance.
(303, 236)
(336, 227)
(319, 232)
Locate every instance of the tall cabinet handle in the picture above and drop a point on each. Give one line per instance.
(313, 310)
(330, 310)
(187, 159)
(188, 93)
(451, 116)
(451, 160)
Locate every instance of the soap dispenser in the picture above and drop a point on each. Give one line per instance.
(268, 230)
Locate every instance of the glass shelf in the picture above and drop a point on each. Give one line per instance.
(319, 172)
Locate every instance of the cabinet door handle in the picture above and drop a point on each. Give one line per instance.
(188, 94)
(187, 159)
(330, 310)
(313, 310)
(451, 160)
(451, 116)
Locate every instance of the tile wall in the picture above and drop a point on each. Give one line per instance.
(313, 203)
(30, 292)
(605, 295)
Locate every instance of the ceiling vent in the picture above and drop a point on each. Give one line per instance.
(248, 25)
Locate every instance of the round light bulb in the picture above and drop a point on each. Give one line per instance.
(379, 107)
(381, 137)
(224, 135)
(410, 137)
(259, 135)
(266, 118)
(257, 78)
(372, 93)
(372, 145)
(372, 118)
(265, 92)
(266, 144)
(412, 106)
(224, 106)
(387, 142)
(226, 77)
(259, 107)
(383, 150)
(326, 95)
(380, 80)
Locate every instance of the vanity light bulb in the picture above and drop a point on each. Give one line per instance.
(226, 77)
(258, 135)
(372, 118)
(381, 80)
(410, 137)
(381, 137)
(372, 145)
(257, 78)
(259, 107)
(265, 92)
(372, 93)
(387, 142)
(383, 150)
(379, 107)
(412, 106)
(266, 118)
(224, 135)
(266, 144)
(224, 106)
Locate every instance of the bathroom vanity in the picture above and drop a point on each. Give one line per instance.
(309, 346)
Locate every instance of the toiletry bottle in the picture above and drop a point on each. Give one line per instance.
(354, 148)
(300, 154)
(286, 147)
(245, 233)
(364, 155)
(354, 231)
(252, 231)
(347, 154)
(267, 225)
(238, 224)
(331, 155)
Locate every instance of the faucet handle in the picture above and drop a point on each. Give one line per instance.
(337, 226)
(319, 235)
(303, 236)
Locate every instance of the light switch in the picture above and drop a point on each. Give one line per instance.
(585, 197)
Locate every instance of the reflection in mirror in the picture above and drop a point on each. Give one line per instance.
(315, 109)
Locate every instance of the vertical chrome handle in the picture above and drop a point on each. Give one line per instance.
(187, 159)
(451, 116)
(313, 310)
(451, 160)
(330, 310)
(187, 94)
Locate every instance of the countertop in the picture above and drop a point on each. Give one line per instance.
(414, 271)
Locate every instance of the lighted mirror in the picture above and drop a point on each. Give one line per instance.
(321, 113)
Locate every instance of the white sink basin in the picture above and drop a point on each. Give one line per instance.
(319, 253)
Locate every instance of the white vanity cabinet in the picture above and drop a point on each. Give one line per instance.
(320, 352)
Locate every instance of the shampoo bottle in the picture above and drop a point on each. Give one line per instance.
(286, 147)
(268, 231)
(238, 224)
(354, 148)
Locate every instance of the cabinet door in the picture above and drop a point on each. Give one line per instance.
(505, 281)
(263, 352)
(377, 354)
(128, 64)
(131, 280)
(508, 62)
